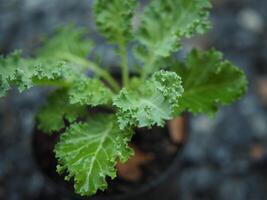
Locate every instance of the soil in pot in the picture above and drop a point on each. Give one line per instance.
(145, 175)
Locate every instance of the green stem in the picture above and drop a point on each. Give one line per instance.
(105, 75)
(124, 62)
(148, 66)
(55, 83)
(87, 64)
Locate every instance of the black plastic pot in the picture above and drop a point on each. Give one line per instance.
(164, 186)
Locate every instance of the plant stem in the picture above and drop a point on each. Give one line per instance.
(124, 62)
(56, 83)
(105, 75)
(148, 66)
(98, 70)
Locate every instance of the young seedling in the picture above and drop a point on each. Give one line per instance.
(162, 88)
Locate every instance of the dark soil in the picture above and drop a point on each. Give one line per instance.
(160, 146)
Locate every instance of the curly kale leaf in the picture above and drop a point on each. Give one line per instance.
(114, 18)
(25, 73)
(149, 103)
(70, 103)
(89, 92)
(52, 116)
(164, 23)
(209, 81)
(68, 43)
(8, 72)
(58, 62)
(89, 151)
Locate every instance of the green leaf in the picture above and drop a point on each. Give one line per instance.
(209, 81)
(164, 23)
(89, 92)
(149, 103)
(67, 43)
(88, 152)
(8, 72)
(114, 18)
(25, 73)
(58, 62)
(51, 117)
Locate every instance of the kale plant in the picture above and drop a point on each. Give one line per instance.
(160, 89)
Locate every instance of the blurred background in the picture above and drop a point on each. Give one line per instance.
(224, 158)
